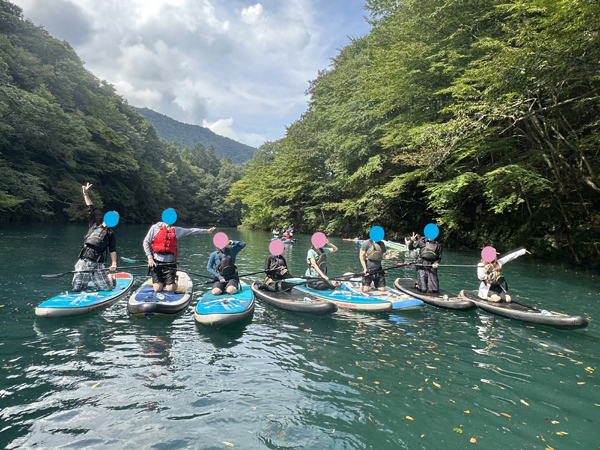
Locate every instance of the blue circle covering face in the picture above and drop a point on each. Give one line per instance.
(169, 216)
(377, 233)
(431, 231)
(111, 219)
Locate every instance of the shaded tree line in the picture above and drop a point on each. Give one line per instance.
(481, 116)
(61, 127)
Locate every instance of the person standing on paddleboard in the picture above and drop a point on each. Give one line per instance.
(90, 265)
(221, 264)
(371, 254)
(160, 246)
(491, 276)
(430, 255)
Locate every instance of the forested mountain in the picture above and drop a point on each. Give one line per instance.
(61, 127)
(480, 116)
(189, 135)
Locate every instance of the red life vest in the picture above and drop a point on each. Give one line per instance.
(165, 241)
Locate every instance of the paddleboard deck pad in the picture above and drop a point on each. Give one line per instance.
(73, 303)
(451, 301)
(146, 302)
(348, 294)
(525, 313)
(223, 309)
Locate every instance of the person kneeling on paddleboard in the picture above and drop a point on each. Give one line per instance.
(317, 266)
(371, 254)
(98, 240)
(222, 265)
(430, 255)
(160, 246)
(491, 277)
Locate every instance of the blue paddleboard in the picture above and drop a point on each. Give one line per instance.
(225, 308)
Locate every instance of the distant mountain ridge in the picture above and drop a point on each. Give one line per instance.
(189, 135)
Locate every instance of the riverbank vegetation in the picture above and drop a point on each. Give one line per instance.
(61, 127)
(481, 116)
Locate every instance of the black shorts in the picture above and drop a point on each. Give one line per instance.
(378, 279)
(496, 289)
(164, 274)
(233, 282)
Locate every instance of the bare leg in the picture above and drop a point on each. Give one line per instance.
(158, 287)
(172, 287)
(494, 298)
(216, 291)
(508, 298)
(232, 290)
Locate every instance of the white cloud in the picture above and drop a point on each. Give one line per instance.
(202, 60)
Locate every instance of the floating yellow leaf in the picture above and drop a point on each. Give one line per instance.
(543, 345)
(524, 402)
(253, 408)
(228, 444)
(458, 430)
(581, 382)
(382, 360)
(1, 306)
(554, 422)
(431, 367)
(437, 385)
(549, 448)
(376, 351)
(376, 382)
(96, 385)
(408, 362)
(359, 378)
(543, 439)
(589, 369)
(393, 360)
(373, 421)
(561, 433)
(409, 418)
(308, 330)
(452, 401)
(467, 412)
(506, 415)
(422, 435)
(426, 380)
(387, 392)
(420, 389)
(473, 441)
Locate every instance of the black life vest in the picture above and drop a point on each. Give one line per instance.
(275, 262)
(97, 238)
(431, 251)
(226, 267)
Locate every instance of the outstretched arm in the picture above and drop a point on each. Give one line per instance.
(86, 197)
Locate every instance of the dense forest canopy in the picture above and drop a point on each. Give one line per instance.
(183, 134)
(61, 127)
(481, 116)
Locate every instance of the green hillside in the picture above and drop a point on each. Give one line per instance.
(61, 127)
(189, 135)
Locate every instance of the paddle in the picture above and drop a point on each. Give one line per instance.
(58, 275)
(440, 265)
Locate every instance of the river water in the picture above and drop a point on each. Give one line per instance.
(427, 379)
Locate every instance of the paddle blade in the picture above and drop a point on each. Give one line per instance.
(128, 260)
(54, 275)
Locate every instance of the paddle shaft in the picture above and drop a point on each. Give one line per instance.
(58, 275)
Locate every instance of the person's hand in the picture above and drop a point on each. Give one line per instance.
(230, 242)
(366, 272)
(223, 280)
(413, 237)
(151, 262)
(282, 270)
(86, 187)
(210, 230)
(326, 277)
(435, 265)
(528, 252)
(113, 267)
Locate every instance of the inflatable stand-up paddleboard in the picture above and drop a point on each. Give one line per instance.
(295, 300)
(73, 303)
(525, 313)
(146, 302)
(223, 309)
(441, 299)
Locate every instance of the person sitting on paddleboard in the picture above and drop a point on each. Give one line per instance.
(491, 277)
(276, 269)
(160, 246)
(430, 255)
(371, 254)
(317, 265)
(276, 232)
(222, 265)
(98, 240)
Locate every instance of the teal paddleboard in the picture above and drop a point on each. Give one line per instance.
(225, 308)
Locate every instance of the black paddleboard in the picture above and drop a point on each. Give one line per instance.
(295, 300)
(441, 299)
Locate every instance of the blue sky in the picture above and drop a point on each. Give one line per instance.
(238, 67)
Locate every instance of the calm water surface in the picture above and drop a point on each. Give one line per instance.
(426, 379)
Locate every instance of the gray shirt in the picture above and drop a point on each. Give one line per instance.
(179, 232)
(373, 266)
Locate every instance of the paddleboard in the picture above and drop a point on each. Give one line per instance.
(146, 302)
(296, 301)
(441, 299)
(225, 308)
(73, 303)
